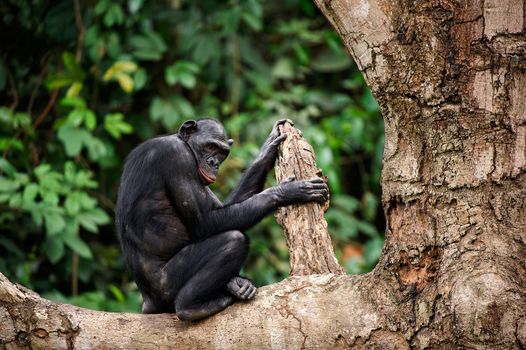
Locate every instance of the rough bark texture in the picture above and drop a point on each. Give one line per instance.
(450, 77)
(305, 228)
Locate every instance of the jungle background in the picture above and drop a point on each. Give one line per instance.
(83, 82)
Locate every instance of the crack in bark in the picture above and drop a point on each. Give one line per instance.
(69, 331)
(286, 312)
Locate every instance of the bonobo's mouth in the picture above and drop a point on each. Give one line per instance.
(209, 178)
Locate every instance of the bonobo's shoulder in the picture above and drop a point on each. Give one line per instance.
(167, 142)
(155, 148)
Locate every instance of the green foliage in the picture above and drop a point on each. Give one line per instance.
(72, 106)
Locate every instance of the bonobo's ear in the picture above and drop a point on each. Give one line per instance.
(187, 129)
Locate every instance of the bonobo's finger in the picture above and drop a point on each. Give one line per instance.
(246, 293)
(244, 288)
(283, 121)
(249, 292)
(316, 185)
(278, 140)
(252, 294)
(319, 197)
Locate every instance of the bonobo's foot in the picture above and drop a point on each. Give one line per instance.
(241, 288)
(148, 306)
(197, 312)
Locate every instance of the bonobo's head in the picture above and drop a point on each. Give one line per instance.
(208, 141)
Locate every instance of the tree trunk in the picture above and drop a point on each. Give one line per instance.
(450, 77)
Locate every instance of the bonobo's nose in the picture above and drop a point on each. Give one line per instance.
(212, 162)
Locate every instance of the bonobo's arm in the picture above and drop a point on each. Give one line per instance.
(243, 215)
(253, 179)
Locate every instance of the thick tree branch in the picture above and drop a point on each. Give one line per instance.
(298, 313)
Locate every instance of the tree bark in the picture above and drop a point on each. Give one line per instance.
(310, 247)
(450, 77)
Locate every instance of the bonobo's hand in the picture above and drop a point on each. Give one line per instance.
(241, 288)
(269, 150)
(290, 191)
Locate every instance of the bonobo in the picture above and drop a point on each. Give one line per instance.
(182, 246)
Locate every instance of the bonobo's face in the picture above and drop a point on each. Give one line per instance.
(211, 147)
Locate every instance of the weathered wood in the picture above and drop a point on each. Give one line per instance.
(305, 228)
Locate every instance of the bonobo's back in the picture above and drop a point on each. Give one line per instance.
(141, 177)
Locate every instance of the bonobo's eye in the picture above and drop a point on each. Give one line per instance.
(210, 148)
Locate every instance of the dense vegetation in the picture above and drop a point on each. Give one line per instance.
(83, 82)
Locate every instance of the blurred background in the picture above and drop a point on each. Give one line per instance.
(83, 82)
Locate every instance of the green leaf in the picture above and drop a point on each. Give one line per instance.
(134, 5)
(148, 47)
(183, 72)
(16, 200)
(84, 179)
(10, 143)
(253, 21)
(74, 89)
(55, 222)
(207, 47)
(49, 197)
(125, 81)
(369, 206)
(101, 6)
(7, 185)
(120, 71)
(72, 139)
(187, 80)
(114, 15)
(69, 171)
(74, 69)
(366, 228)
(75, 102)
(69, 61)
(30, 193)
(117, 293)
(87, 202)
(7, 168)
(373, 250)
(90, 220)
(72, 203)
(97, 149)
(54, 248)
(76, 117)
(42, 170)
(90, 120)
(78, 245)
(58, 81)
(139, 79)
(283, 69)
(116, 126)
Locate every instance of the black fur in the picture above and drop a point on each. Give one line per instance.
(182, 246)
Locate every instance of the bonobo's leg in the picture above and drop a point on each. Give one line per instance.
(206, 267)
